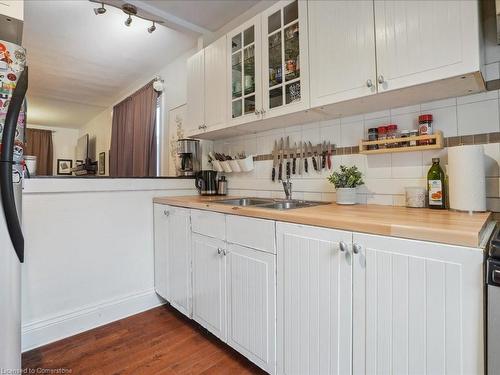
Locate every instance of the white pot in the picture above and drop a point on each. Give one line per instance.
(346, 195)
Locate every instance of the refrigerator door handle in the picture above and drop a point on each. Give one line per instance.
(6, 162)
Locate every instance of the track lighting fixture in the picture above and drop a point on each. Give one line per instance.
(100, 10)
(130, 10)
(128, 21)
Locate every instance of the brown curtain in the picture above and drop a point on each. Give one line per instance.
(39, 144)
(133, 135)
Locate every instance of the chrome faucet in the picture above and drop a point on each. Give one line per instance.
(287, 186)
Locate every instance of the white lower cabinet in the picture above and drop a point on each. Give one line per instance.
(251, 290)
(179, 259)
(418, 307)
(172, 239)
(209, 284)
(314, 300)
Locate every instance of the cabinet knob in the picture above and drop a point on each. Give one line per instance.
(256, 113)
(381, 79)
(369, 83)
(225, 252)
(219, 251)
(343, 246)
(166, 213)
(356, 249)
(199, 127)
(262, 111)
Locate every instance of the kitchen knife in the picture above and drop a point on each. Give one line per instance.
(329, 156)
(280, 167)
(294, 160)
(306, 163)
(313, 156)
(323, 155)
(288, 157)
(301, 159)
(275, 160)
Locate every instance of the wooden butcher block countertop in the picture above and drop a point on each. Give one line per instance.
(456, 228)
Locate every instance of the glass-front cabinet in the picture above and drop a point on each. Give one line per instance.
(244, 47)
(285, 58)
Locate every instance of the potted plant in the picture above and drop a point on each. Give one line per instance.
(345, 182)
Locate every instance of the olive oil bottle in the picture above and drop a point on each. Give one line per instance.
(436, 186)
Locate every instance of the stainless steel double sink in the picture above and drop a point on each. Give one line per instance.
(274, 204)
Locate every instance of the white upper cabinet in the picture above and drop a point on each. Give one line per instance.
(285, 58)
(215, 85)
(244, 72)
(341, 50)
(195, 118)
(417, 307)
(12, 8)
(421, 41)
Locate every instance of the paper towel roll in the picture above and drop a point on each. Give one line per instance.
(466, 179)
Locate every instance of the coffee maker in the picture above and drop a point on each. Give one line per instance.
(188, 161)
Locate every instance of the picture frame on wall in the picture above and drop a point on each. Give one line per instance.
(64, 167)
(102, 163)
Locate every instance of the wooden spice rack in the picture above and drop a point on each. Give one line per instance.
(437, 137)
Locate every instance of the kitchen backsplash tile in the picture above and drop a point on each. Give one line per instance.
(469, 119)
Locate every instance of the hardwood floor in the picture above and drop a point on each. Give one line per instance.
(158, 341)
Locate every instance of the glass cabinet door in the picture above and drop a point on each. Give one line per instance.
(283, 42)
(245, 60)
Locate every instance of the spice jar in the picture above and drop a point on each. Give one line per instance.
(382, 134)
(413, 133)
(372, 136)
(425, 128)
(404, 134)
(392, 133)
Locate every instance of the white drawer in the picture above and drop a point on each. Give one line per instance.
(257, 234)
(210, 224)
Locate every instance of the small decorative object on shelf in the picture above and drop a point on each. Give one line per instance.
(345, 183)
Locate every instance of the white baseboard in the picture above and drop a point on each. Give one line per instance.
(55, 328)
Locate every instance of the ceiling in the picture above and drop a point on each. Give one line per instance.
(208, 14)
(80, 63)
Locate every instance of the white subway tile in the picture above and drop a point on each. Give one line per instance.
(351, 133)
(405, 110)
(473, 98)
(445, 119)
(492, 159)
(385, 200)
(330, 133)
(312, 196)
(378, 166)
(407, 165)
(399, 200)
(328, 197)
(350, 119)
(406, 121)
(492, 71)
(377, 115)
(478, 117)
(450, 102)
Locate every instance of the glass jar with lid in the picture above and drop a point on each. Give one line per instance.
(392, 133)
(382, 135)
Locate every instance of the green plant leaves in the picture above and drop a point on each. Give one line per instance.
(347, 177)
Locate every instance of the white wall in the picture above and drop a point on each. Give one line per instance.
(89, 252)
(64, 142)
(174, 94)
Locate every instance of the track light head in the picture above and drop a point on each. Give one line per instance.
(151, 28)
(128, 21)
(100, 10)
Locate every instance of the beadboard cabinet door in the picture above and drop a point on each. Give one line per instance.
(421, 41)
(251, 298)
(195, 115)
(179, 259)
(417, 307)
(209, 284)
(341, 50)
(215, 85)
(161, 249)
(314, 330)
(285, 58)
